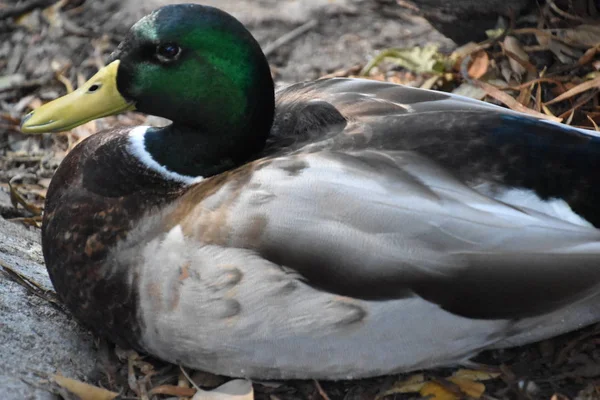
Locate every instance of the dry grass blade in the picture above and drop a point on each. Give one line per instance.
(582, 87)
(588, 56)
(32, 286)
(562, 13)
(593, 123)
(16, 199)
(83, 390)
(34, 222)
(321, 391)
(172, 390)
(511, 102)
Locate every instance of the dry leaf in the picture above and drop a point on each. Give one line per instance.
(480, 62)
(412, 384)
(172, 390)
(435, 391)
(582, 87)
(469, 90)
(475, 375)
(467, 387)
(589, 55)
(463, 51)
(16, 198)
(238, 389)
(511, 102)
(512, 45)
(83, 390)
(594, 123)
(34, 222)
(584, 35)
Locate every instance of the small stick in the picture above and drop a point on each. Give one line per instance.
(188, 378)
(564, 14)
(31, 286)
(288, 37)
(321, 391)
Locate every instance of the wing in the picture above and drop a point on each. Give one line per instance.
(384, 225)
(479, 142)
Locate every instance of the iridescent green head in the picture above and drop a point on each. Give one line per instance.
(195, 65)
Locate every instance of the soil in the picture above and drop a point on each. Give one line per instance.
(45, 51)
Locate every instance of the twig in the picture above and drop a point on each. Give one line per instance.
(321, 391)
(188, 378)
(25, 8)
(547, 33)
(564, 14)
(582, 87)
(288, 37)
(31, 286)
(343, 73)
(509, 101)
(593, 123)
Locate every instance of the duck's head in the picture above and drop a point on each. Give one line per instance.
(195, 65)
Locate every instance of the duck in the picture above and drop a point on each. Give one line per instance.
(334, 229)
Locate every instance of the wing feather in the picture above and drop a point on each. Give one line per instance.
(384, 225)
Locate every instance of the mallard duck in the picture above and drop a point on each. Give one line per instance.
(336, 229)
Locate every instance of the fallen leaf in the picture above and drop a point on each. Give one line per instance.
(585, 35)
(35, 222)
(476, 375)
(469, 90)
(593, 123)
(582, 87)
(412, 384)
(517, 57)
(469, 387)
(480, 62)
(549, 113)
(438, 391)
(463, 51)
(237, 389)
(172, 390)
(16, 198)
(511, 102)
(83, 390)
(589, 55)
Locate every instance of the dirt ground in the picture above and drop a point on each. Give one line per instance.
(45, 52)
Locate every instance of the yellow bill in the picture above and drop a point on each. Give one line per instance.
(97, 98)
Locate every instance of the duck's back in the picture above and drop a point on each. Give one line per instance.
(509, 156)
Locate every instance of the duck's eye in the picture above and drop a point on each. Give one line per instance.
(167, 52)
